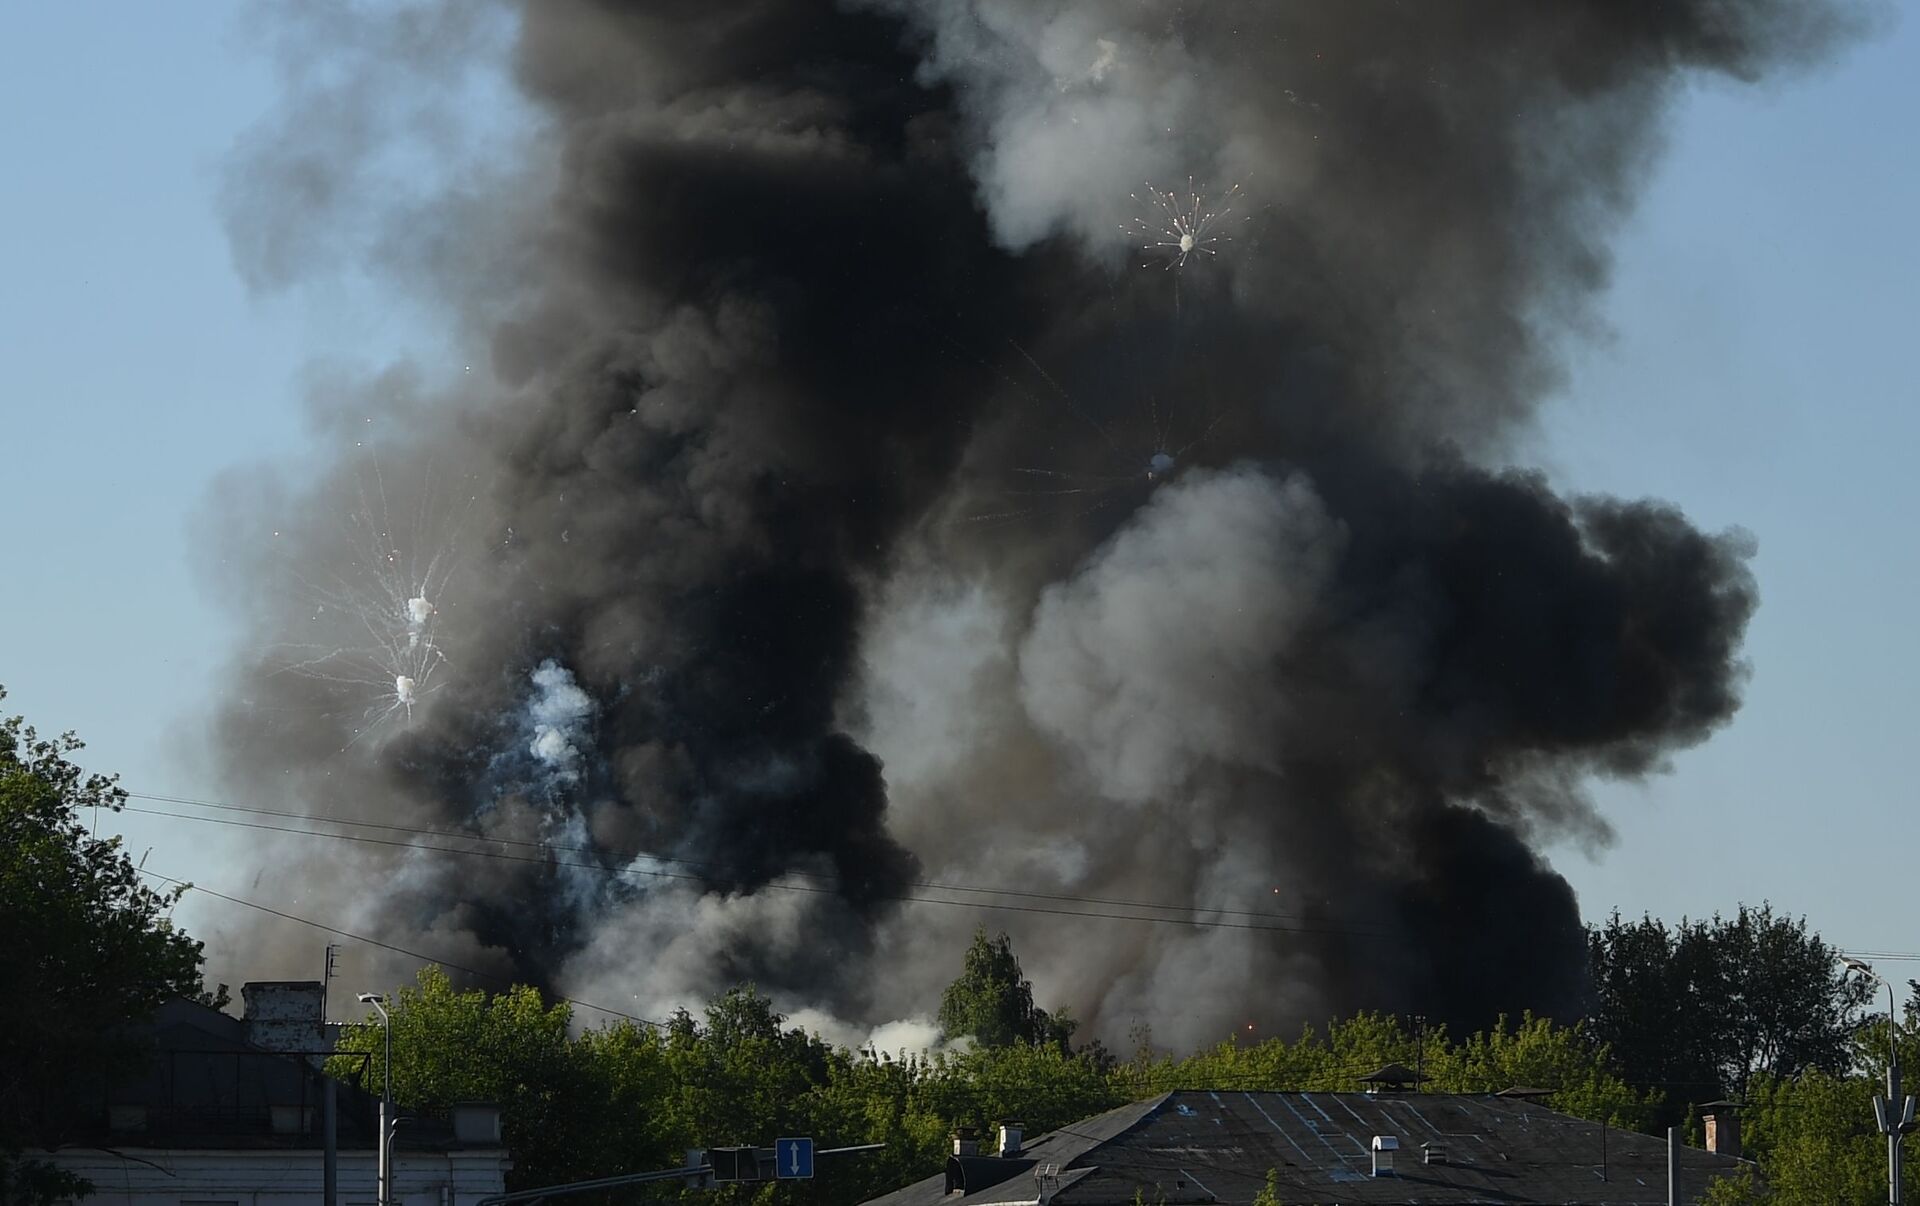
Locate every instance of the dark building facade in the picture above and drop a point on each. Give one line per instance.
(225, 1111)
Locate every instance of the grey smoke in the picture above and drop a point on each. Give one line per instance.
(777, 301)
(1110, 669)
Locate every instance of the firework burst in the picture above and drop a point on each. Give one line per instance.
(378, 605)
(1179, 225)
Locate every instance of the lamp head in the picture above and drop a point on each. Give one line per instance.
(369, 998)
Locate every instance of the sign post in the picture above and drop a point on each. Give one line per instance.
(793, 1159)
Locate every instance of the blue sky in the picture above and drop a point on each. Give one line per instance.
(1761, 374)
(1759, 371)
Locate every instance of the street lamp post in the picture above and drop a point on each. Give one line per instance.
(381, 1151)
(1894, 1112)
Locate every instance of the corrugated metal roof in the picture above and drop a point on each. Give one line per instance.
(1048, 1160)
(1191, 1147)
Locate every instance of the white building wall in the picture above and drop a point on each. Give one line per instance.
(132, 1176)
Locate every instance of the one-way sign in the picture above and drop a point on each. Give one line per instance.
(793, 1159)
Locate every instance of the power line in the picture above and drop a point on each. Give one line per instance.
(828, 883)
(399, 950)
(1261, 1078)
(1334, 1076)
(718, 868)
(823, 889)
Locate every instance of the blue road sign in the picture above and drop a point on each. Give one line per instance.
(793, 1159)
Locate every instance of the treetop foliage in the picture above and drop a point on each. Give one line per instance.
(992, 1001)
(88, 948)
(1813, 1131)
(628, 1098)
(1531, 1053)
(594, 1102)
(1700, 1008)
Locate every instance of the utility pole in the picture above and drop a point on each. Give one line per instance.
(330, 1144)
(383, 1145)
(1893, 1114)
(329, 1108)
(1673, 1169)
(1896, 1129)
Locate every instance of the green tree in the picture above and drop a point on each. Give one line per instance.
(878, 1098)
(1536, 1052)
(1814, 1138)
(992, 1001)
(624, 1077)
(741, 1076)
(626, 1098)
(1040, 1086)
(509, 1048)
(88, 949)
(1699, 1009)
(1813, 1134)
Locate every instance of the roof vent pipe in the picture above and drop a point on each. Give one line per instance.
(1384, 1146)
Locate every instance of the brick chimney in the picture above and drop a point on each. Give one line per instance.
(1722, 1120)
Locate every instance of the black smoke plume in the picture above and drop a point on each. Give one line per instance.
(806, 549)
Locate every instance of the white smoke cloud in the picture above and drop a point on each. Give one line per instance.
(668, 946)
(687, 934)
(932, 643)
(558, 713)
(919, 1035)
(1158, 656)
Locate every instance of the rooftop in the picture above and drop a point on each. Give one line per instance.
(1216, 1147)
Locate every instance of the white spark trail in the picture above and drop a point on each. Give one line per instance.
(380, 603)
